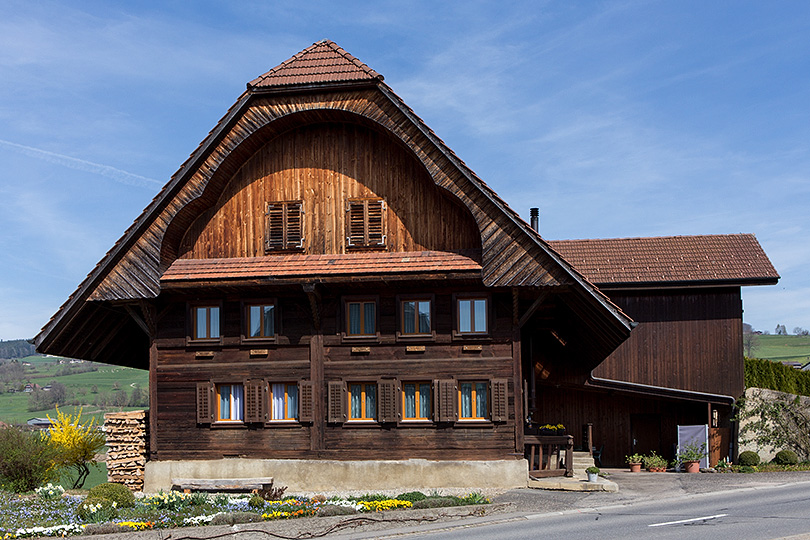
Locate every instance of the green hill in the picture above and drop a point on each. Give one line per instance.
(94, 387)
(783, 348)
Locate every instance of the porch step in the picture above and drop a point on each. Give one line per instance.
(582, 460)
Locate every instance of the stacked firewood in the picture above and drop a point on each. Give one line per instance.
(126, 442)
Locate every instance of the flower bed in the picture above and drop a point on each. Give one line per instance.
(46, 515)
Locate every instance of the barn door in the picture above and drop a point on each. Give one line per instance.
(645, 430)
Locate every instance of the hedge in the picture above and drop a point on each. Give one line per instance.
(776, 376)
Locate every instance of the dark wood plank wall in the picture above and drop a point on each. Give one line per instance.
(299, 355)
(612, 416)
(324, 165)
(690, 340)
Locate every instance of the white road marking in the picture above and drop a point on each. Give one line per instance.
(705, 518)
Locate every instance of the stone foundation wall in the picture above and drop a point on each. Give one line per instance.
(127, 441)
(754, 396)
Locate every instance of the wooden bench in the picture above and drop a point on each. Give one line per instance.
(222, 484)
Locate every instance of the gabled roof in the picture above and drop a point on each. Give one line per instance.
(322, 62)
(730, 259)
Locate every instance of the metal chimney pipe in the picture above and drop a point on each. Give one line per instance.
(535, 217)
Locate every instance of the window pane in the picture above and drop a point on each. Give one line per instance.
(255, 321)
(354, 319)
(292, 401)
(277, 391)
(480, 400)
(356, 401)
(371, 401)
(424, 317)
(237, 392)
(214, 314)
(466, 400)
(480, 315)
(408, 317)
(224, 402)
(269, 320)
(202, 323)
(409, 390)
(464, 315)
(424, 401)
(369, 318)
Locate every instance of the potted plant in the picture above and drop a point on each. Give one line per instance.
(690, 455)
(655, 463)
(634, 461)
(593, 473)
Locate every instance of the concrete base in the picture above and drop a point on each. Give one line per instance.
(324, 475)
(561, 483)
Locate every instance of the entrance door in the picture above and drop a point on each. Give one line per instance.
(645, 429)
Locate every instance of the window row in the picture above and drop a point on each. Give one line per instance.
(361, 318)
(382, 401)
(365, 225)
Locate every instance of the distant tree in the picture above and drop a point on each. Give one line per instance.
(94, 389)
(748, 329)
(780, 330)
(799, 331)
(750, 343)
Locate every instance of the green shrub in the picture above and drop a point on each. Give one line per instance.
(654, 461)
(786, 457)
(119, 493)
(97, 510)
(776, 376)
(256, 501)
(412, 496)
(475, 498)
(747, 469)
(435, 502)
(748, 459)
(26, 460)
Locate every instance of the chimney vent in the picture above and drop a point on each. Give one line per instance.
(535, 217)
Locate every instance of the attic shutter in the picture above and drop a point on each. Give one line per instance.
(365, 223)
(336, 402)
(444, 399)
(387, 395)
(306, 392)
(255, 401)
(500, 401)
(285, 226)
(205, 400)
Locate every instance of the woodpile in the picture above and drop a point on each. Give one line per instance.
(126, 442)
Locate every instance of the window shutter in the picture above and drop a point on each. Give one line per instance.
(274, 233)
(356, 224)
(255, 401)
(294, 235)
(205, 401)
(376, 230)
(336, 402)
(444, 399)
(306, 396)
(500, 400)
(387, 395)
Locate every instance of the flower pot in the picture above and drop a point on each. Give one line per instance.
(593, 477)
(657, 469)
(635, 467)
(691, 466)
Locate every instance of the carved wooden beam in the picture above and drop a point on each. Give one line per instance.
(314, 304)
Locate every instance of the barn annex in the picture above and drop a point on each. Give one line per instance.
(325, 293)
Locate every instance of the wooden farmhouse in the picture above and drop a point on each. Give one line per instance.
(324, 293)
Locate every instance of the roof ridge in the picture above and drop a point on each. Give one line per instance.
(663, 237)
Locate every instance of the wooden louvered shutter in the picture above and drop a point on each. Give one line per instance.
(445, 396)
(205, 403)
(255, 401)
(387, 396)
(274, 232)
(336, 402)
(294, 225)
(375, 230)
(500, 401)
(356, 224)
(306, 391)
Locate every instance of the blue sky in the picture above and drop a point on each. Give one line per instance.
(616, 119)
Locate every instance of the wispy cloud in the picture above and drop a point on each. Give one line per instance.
(112, 173)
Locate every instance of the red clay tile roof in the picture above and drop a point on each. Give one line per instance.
(730, 258)
(313, 266)
(323, 62)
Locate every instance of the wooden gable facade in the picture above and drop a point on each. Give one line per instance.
(683, 363)
(324, 279)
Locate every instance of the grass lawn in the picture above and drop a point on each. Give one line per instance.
(783, 348)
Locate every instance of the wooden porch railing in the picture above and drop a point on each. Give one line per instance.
(549, 455)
